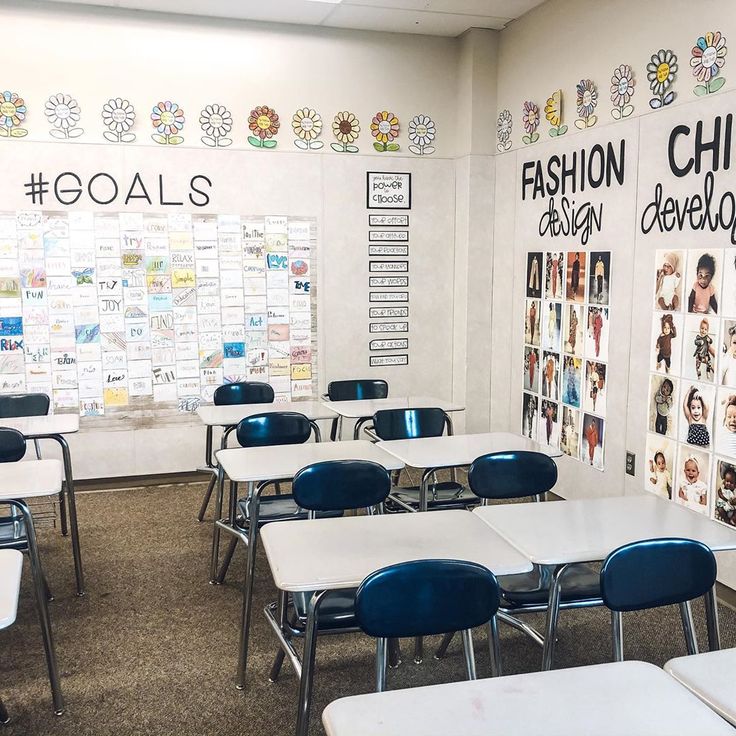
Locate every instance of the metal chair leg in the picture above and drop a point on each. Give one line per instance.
(394, 653)
(4, 716)
(688, 627)
(444, 644)
(418, 649)
(207, 497)
(306, 682)
(47, 590)
(553, 614)
(381, 661)
(711, 618)
(280, 654)
(226, 560)
(250, 571)
(617, 635)
(219, 499)
(522, 626)
(494, 647)
(469, 654)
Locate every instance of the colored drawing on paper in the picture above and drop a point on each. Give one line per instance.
(307, 126)
(422, 132)
(385, 129)
(504, 126)
(661, 73)
(264, 124)
(118, 115)
(12, 113)
(553, 113)
(63, 112)
(346, 128)
(168, 120)
(622, 90)
(216, 123)
(586, 102)
(530, 119)
(707, 59)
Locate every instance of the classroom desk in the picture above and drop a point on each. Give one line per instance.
(11, 567)
(615, 699)
(54, 427)
(33, 479)
(363, 409)
(454, 451)
(709, 676)
(559, 534)
(330, 554)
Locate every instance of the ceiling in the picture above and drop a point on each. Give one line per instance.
(430, 17)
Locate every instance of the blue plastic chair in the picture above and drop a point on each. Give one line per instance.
(425, 597)
(334, 485)
(407, 424)
(354, 389)
(661, 572)
(229, 394)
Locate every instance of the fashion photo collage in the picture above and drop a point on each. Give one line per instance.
(566, 325)
(691, 440)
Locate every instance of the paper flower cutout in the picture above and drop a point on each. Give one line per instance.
(422, 132)
(346, 128)
(385, 129)
(264, 123)
(307, 125)
(168, 119)
(708, 57)
(63, 113)
(216, 122)
(553, 113)
(504, 126)
(12, 114)
(530, 119)
(661, 71)
(587, 101)
(622, 90)
(118, 115)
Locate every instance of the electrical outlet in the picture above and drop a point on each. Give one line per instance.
(630, 463)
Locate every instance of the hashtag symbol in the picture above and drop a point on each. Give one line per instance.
(37, 187)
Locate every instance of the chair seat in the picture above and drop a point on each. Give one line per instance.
(13, 533)
(277, 508)
(443, 495)
(579, 582)
(337, 610)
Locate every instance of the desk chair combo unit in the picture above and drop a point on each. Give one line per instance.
(11, 567)
(353, 390)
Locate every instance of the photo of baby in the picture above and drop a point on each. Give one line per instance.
(550, 375)
(728, 292)
(575, 278)
(551, 323)
(668, 289)
(554, 265)
(703, 278)
(529, 416)
(534, 275)
(666, 343)
(591, 446)
(661, 456)
(693, 473)
(725, 483)
(697, 405)
(663, 405)
(572, 329)
(549, 426)
(727, 366)
(699, 343)
(570, 432)
(572, 369)
(531, 369)
(531, 322)
(596, 336)
(725, 422)
(599, 277)
(595, 387)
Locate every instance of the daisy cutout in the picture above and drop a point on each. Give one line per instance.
(63, 113)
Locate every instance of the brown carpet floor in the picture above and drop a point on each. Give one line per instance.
(151, 648)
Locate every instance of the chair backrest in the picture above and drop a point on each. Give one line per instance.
(274, 428)
(245, 392)
(657, 572)
(358, 388)
(408, 424)
(341, 484)
(24, 405)
(426, 597)
(12, 445)
(512, 474)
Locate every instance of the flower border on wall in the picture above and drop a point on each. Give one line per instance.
(168, 120)
(422, 132)
(661, 73)
(118, 115)
(63, 112)
(504, 127)
(385, 129)
(707, 59)
(553, 114)
(622, 90)
(587, 100)
(530, 120)
(307, 125)
(264, 122)
(12, 113)
(346, 128)
(216, 122)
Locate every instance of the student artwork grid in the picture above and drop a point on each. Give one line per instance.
(566, 324)
(102, 311)
(691, 422)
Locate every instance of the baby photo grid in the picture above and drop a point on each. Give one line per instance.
(565, 369)
(691, 422)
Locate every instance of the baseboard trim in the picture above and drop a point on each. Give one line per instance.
(137, 481)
